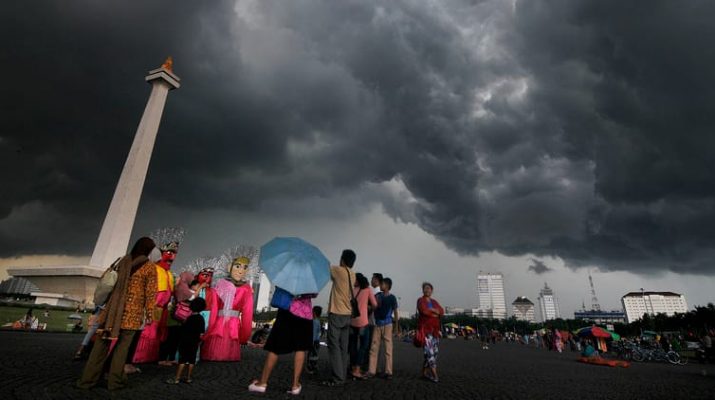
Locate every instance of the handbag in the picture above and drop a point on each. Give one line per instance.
(182, 311)
(281, 299)
(354, 307)
(106, 283)
(419, 339)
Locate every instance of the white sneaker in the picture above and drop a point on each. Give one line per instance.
(253, 387)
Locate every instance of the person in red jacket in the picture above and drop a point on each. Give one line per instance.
(428, 322)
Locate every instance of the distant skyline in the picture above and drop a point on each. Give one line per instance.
(539, 139)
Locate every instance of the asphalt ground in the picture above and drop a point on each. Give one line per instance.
(40, 366)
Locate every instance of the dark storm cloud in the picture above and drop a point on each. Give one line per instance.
(571, 129)
(538, 267)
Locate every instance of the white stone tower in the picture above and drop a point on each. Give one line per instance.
(65, 285)
(117, 228)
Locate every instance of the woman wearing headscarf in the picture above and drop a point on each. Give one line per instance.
(129, 307)
(428, 322)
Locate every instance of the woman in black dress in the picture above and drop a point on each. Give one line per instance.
(292, 333)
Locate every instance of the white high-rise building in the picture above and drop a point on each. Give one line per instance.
(490, 290)
(548, 305)
(523, 309)
(635, 304)
(262, 290)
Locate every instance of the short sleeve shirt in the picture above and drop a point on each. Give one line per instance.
(385, 306)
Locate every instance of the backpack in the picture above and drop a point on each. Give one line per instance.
(106, 283)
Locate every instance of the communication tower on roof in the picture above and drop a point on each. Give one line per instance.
(594, 300)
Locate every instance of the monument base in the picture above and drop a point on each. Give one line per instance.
(74, 283)
(53, 299)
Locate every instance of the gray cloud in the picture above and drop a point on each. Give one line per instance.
(538, 267)
(571, 129)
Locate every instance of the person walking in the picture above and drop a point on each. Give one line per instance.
(428, 322)
(339, 317)
(385, 317)
(292, 333)
(358, 342)
(130, 306)
(82, 352)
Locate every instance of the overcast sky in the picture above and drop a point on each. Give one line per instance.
(540, 139)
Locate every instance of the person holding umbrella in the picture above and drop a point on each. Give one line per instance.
(298, 270)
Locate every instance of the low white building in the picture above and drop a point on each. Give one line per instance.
(635, 304)
(453, 311)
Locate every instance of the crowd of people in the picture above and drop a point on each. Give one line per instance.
(149, 318)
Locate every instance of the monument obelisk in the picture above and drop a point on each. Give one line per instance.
(63, 285)
(117, 228)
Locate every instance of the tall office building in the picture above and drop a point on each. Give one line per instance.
(262, 291)
(635, 304)
(523, 309)
(548, 305)
(490, 290)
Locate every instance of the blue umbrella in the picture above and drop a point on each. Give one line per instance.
(294, 265)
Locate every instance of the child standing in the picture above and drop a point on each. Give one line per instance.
(313, 353)
(189, 339)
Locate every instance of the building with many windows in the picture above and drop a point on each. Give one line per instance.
(548, 304)
(636, 304)
(523, 309)
(490, 290)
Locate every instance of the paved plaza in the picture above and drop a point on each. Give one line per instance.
(39, 366)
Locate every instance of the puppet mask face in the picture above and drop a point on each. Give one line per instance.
(205, 277)
(238, 272)
(167, 258)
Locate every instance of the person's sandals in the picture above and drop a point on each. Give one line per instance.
(296, 391)
(253, 387)
(173, 381)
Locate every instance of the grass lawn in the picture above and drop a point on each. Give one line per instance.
(56, 322)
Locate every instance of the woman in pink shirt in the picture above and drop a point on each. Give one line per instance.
(359, 335)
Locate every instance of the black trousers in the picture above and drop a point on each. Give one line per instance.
(168, 348)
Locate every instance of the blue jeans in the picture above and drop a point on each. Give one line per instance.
(359, 345)
(92, 329)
